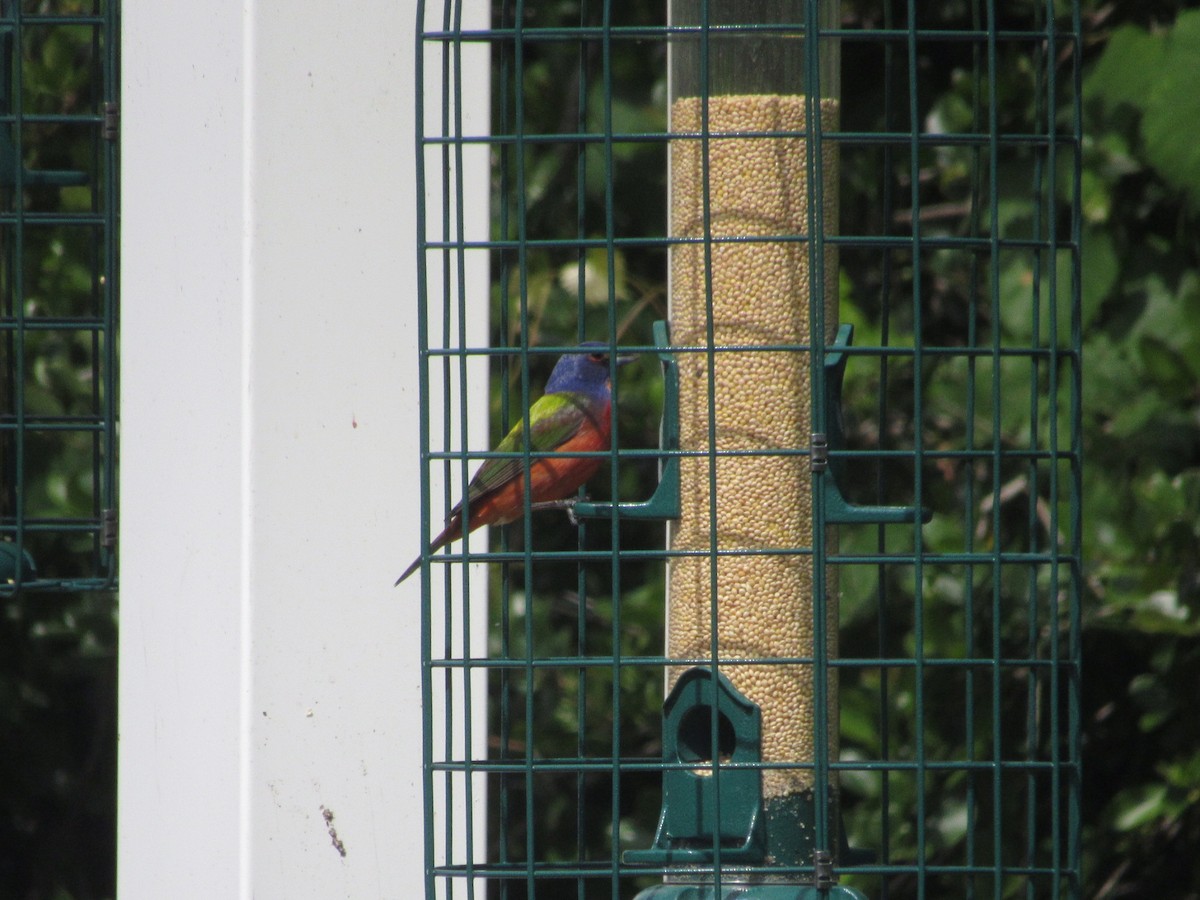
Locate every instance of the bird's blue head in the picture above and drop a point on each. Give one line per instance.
(585, 371)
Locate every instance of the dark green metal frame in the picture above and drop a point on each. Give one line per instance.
(42, 549)
(993, 777)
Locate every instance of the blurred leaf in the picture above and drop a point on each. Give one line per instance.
(1163, 365)
(1026, 296)
(1096, 197)
(1157, 74)
(1141, 806)
(1127, 71)
(1100, 272)
(595, 277)
(1174, 99)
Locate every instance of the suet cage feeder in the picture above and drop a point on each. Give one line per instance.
(772, 532)
(58, 302)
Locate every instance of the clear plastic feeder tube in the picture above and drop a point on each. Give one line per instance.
(751, 212)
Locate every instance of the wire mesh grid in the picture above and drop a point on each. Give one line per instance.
(937, 456)
(58, 290)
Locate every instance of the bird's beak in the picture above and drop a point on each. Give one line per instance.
(628, 358)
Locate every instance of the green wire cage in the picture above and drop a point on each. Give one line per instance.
(58, 290)
(813, 629)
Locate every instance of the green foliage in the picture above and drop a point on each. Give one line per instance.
(1142, 480)
(1155, 75)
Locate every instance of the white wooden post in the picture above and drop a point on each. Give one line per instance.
(270, 741)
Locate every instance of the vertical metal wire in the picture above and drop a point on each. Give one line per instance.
(18, 285)
(1054, 399)
(519, 152)
(969, 444)
(883, 629)
(816, 330)
(11, 375)
(111, 78)
(914, 118)
(996, 456)
(98, 238)
(711, 407)
(581, 672)
(614, 438)
(465, 606)
(447, 363)
(1073, 356)
(423, 358)
(506, 76)
(1044, 238)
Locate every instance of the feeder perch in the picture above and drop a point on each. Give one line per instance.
(664, 502)
(14, 566)
(837, 510)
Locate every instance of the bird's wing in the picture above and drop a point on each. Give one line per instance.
(554, 419)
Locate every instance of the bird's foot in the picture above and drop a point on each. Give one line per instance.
(568, 505)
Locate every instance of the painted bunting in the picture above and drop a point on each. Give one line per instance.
(574, 414)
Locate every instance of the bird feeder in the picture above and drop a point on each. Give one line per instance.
(962, 635)
(753, 286)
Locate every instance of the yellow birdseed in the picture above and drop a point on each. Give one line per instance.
(758, 188)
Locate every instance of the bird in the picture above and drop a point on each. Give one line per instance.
(573, 415)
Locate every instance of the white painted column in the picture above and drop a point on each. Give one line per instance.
(270, 741)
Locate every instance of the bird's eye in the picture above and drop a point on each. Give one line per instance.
(596, 357)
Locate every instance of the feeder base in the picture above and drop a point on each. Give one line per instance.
(749, 892)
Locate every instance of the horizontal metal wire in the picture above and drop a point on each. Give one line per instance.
(59, 584)
(532, 34)
(52, 323)
(925, 140)
(1024, 351)
(51, 119)
(845, 662)
(82, 426)
(1009, 454)
(550, 870)
(899, 242)
(52, 526)
(31, 219)
(585, 764)
(28, 20)
(1006, 557)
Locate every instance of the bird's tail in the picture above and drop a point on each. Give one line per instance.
(452, 532)
(416, 564)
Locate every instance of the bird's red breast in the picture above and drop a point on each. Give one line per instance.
(551, 478)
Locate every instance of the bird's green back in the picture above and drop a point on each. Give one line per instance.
(554, 419)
